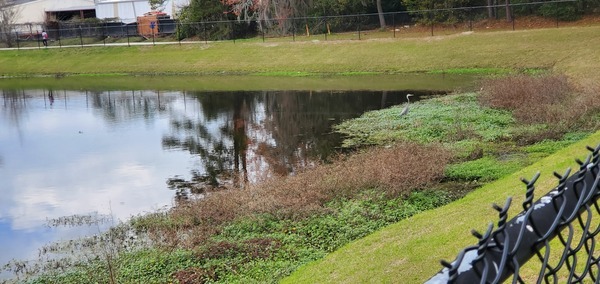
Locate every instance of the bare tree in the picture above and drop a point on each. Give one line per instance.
(380, 13)
(508, 11)
(156, 4)
(8, 17)
(490, 8)
(264, 11)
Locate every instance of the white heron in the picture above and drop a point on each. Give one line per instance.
(405, 110)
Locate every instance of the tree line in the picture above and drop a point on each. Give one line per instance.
(247, 18)
(276, 14)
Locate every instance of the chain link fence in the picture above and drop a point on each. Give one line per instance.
(555, 236)
(344, 27)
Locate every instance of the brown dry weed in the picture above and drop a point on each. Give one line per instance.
(395, 170)
(547, 99)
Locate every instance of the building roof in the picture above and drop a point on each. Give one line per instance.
(18, 2)
(35, 11)
(92, 7)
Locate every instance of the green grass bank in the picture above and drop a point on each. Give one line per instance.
(385, 82)
(562, 49)
(409, 251)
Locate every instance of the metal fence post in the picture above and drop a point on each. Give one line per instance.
(556, 12)
(18, 43)
(306, 27)
(326, 30)
(58, 34)
(431, 32)
(293, 29)
(127, 34)
(262, 29)
(431, 18)
(80, 36)
(513, 22)
(470, 15)
(232, 31)
(178, 32)
(394, 23)
(153, 35)
(38, 38)
(358, 26)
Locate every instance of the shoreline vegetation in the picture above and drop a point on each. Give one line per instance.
(347, 221)
(409, 81)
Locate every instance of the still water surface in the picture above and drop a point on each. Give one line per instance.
(66, 153)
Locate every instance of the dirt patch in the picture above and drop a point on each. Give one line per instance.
(521, 23)
(533, 22)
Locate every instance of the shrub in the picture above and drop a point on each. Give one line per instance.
(548, 103)
(484, 169)
(533, 99)
(394, 171)
(560, 11)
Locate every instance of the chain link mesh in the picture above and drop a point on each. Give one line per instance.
(555, 236)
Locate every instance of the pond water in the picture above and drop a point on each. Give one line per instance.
(115, 153)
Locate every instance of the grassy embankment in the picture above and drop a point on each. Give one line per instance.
(565, 49)
(347, 199)
(504, 142)
(409, 250)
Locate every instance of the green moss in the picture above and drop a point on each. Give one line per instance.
(290, 74)
(485, 169)
(445, 120)
(190, 82)
(358, 73)
(476, 71)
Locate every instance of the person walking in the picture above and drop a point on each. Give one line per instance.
(45, 38)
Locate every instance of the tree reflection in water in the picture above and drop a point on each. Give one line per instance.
(244, 137)
(239, 137)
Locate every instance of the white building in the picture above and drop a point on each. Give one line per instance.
(31, 15)
(39, 11)
(128, 10)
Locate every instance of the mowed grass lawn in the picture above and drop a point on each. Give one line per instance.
(569, 50)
